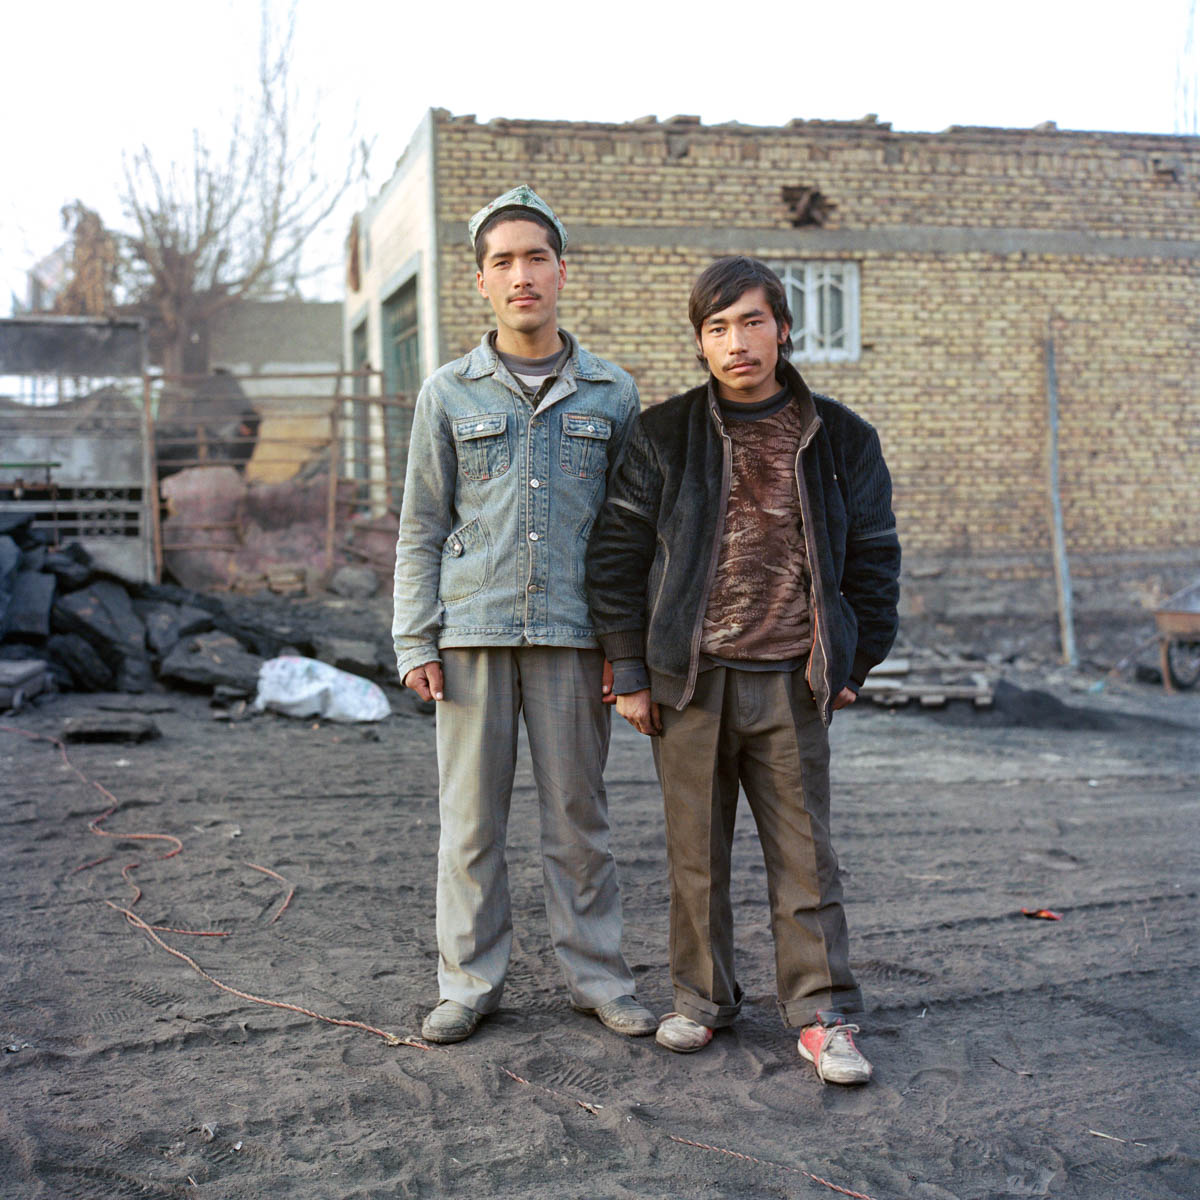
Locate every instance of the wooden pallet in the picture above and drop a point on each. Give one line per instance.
(893, 692)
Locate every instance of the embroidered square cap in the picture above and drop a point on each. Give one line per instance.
(522, 196)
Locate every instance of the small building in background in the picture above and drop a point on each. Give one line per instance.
(931, 276)
(74, 454)
(299, 342)
(220, 478)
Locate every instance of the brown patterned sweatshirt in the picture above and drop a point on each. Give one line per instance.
(758, 609)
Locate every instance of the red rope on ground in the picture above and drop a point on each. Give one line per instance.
(594, 1109)
(276, 875)
(87, 866)
(125, 876)
(94, 826)
(394, 1040)
(114, 804)
(390, 1039)
(45, 737)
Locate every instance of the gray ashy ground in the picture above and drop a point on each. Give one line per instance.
(1000, 1043)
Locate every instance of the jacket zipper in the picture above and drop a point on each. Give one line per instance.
(814, 567)
(698, 630)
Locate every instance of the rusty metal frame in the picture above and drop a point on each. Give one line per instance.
(365, 472)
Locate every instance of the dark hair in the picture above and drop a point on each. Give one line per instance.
(725, 280)
(514, 214)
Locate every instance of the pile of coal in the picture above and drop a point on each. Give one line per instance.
(66, 626)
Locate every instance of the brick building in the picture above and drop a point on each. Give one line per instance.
(929, 273)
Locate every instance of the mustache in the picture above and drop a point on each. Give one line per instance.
(525, 296)
(729, 364)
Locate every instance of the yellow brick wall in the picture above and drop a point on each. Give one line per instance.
(664, 174)
(952, 371)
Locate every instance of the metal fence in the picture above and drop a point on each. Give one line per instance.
(97, 468)
(81, 469)
(336, 429)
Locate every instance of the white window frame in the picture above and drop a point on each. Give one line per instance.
(813, 279)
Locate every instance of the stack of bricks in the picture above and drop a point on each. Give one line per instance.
(974, 246)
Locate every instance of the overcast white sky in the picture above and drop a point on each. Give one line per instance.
(84, 82)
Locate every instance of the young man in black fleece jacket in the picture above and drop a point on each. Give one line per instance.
(743, 577)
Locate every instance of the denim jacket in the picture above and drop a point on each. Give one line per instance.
(499, 500)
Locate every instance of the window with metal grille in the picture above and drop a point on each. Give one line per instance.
(823, 297)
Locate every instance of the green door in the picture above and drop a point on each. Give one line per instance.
(356, 450)
(401, 379)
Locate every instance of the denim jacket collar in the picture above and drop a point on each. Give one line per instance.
(581, 364)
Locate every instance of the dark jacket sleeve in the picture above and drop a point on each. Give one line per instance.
(871, 574)
(621, 550)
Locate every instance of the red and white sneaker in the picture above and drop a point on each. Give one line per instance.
(831, 1049)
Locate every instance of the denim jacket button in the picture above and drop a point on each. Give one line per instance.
(535, 483)
(533, 537)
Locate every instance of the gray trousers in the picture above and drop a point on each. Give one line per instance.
(558, 688)
(761, 729)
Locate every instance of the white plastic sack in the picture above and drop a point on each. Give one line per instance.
(304, 687)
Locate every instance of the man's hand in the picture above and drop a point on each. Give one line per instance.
(426, 680)
(606, 682)
(641, 712)
(844, 697)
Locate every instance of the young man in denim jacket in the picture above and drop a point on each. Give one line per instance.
(511, 450)
(743, 576)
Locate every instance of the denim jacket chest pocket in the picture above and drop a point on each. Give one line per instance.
(584, 446)
(482, 445)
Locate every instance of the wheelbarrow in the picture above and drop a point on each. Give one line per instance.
(1178, 621)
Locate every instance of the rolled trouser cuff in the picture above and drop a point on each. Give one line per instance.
(715, 1016)
(822, 1010)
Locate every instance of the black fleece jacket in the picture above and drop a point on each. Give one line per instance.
(653, 550)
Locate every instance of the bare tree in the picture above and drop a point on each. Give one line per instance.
(231, 224)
